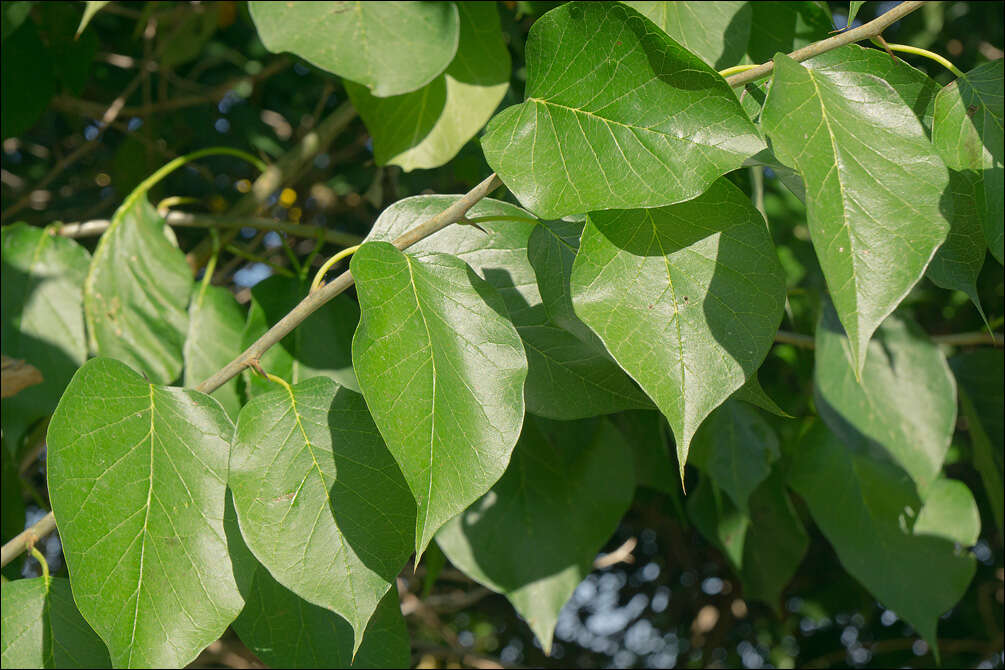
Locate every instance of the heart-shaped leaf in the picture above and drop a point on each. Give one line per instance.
(426, 128)
(873, 186)
(137, 476)
(686, 298)
(617, 115)
(136, 294)
(42, 321)
(42, 628)
(534, 536)
(389, 47)
(308, 472)
(442, 369)
(905, 403)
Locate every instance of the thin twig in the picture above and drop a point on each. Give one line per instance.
(190, 220)
(863, 32)
(20, 542)
(315, 300)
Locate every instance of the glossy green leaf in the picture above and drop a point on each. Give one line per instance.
(645, 433)
(442, 369)
(717, 32)
(735, 447)
(853, 8)
(687, 298)
(91, 8)
(534, 536)
(905, 404)
(628, 118)
(215, 326)
(915, 88)
(320, 346)
(136, 295)
(919, 575)
(752, 393)
(41, 628)
(286, 631)
(978, 377)
(775, 544)
(42, 321)
(137, 475)
(320, 501)
(551, 250)
(784, 26)
(958, 262)
(426, 128)
(389, 47)
(567, 378)
(873, 187)
(968, 135)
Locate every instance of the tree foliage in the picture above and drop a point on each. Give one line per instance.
(237, 449)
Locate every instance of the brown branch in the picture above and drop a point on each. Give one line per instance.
(27, 538)
(315, 300)
(863, 32)
(190, 220)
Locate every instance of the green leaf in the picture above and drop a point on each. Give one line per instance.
(534, 536)
(919, 575)
(137, 475)
(968, 135)
(786, 26)
(320, 346)
(286, 631)
(646, 435)
(950, 512)
(136, 294)
(442, 369)
(389, 47)
(978, 376)
(717, 32)
(915, 88)
(958, 262)
(764, 544)
(775, 544)
(41, 628)
(185, 34)
(630, 119)
(551, 250)
(426, 128)
(320, 501)
(215, 326)
(853, 8)
(905, 404)
(567, 378)
(752, 393)
(42, 321)
(686, 298)
(91, 8)
(26, 75)
(735, 447)
(873, 187)
(719, 520)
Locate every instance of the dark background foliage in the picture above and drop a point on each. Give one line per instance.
(211, 82)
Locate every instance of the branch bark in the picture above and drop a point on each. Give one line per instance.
(190, 220)
(863, 32)
(315, 300)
